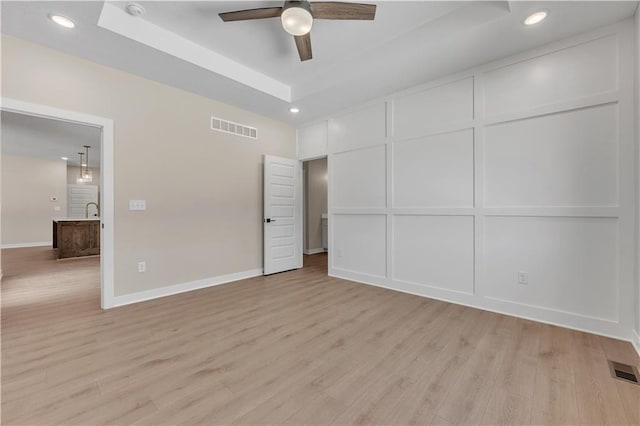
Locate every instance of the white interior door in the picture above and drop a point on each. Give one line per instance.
(282, 222)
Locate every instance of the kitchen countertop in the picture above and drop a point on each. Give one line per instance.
(73, 219)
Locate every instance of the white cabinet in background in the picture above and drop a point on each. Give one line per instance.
(77, 198)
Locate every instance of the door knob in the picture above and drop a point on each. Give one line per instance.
(269, 220)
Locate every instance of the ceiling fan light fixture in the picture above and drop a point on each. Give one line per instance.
(296, 18)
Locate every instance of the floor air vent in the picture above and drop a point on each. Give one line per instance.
(226, 126)
(625, 372)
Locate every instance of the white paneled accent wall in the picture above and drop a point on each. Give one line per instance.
(359, 129)
(565, 75)
(362, 244)
(432, 250)
(571, 262)
(432, 110)
(362, 174)
(520, 168)
(567, 159)
(312, 141)
(443, 164)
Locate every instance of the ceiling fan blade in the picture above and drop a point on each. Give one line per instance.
(303, 43)
(340, 10)
(243, 15)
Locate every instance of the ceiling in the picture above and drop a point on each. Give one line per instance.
(30, 136)
(254, 64)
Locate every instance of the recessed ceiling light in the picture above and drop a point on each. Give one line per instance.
(536, 17)
(64, 158)
(134, 9)
(294, 110)
(62, 21)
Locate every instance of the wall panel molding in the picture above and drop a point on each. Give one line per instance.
(550, 155)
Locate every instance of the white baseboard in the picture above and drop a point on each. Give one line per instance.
(156, 293)
(314, 251)
(544, 315)
(23, 245)
(635, 340)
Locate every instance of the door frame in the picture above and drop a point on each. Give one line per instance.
(107, 253)
(304, 199)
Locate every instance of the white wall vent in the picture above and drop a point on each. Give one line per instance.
(238, 129)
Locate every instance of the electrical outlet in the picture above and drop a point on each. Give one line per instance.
(57, 209)
(523, 277)
(142, 267)
(340, 252)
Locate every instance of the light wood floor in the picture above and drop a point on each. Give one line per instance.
(294, 348)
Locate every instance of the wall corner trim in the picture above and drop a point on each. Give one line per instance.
(635, 340)
(156, 293)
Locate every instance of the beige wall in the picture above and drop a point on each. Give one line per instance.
(316, 201)
(203, 188)
(27, 187)
(74, 171)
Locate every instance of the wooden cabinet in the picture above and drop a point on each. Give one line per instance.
(76, 238)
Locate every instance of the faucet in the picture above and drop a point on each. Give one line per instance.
(86, 209)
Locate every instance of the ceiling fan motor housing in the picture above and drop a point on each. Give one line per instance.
(295, 3)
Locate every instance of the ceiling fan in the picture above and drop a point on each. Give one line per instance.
(297, 18)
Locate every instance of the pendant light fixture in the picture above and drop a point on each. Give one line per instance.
(80, 179)
(87, 176)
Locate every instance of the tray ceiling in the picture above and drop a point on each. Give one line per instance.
(254, 64)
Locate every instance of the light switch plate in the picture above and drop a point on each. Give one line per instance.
(137, 205)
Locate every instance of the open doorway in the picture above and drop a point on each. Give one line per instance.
(50, 209)
(315, 218)
(57, 206)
